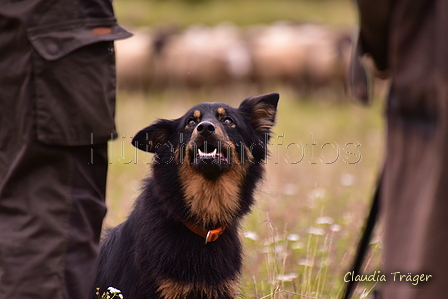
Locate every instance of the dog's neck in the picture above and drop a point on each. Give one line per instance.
(213, 202)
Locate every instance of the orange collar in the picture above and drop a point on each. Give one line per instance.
(209, 235)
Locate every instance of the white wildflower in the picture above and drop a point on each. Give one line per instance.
(287, 277)
(113, 290)
(290, 189)
(347, 179)
(251, 235)
(305, 262)
(293, 237)
(316, 231)
(324, 220)
(335, 227)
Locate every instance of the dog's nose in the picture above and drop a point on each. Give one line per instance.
(206, 128)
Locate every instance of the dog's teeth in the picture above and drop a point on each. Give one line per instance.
(212, 154)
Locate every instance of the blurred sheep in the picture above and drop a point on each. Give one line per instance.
(204, 56)
(306, 56)
(134, 60)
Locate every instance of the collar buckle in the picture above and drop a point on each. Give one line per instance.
(209, 235)
(214, 234)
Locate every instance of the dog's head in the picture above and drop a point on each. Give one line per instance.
(213, 148)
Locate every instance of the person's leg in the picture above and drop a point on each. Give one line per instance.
(51, 210)
(414, 195)
(87, 213)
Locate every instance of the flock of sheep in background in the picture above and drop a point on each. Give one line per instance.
(306, 56)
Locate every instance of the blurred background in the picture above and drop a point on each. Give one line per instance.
(326, 150)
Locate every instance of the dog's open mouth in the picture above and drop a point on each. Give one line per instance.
(210, 159)
(210, 153)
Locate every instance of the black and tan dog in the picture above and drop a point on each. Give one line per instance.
(181, 239)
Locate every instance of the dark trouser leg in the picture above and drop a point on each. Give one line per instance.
(51, 210)
(87, 213)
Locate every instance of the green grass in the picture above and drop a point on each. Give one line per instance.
(308, 216)
(239, 12)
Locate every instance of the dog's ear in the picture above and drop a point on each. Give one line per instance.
(157, 134)
(261, 111)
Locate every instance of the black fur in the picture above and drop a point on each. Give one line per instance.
(153, 246)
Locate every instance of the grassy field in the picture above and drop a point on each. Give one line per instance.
(239, 12)
(300, 239)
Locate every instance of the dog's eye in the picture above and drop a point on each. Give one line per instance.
(191, 122)
(228, 121)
